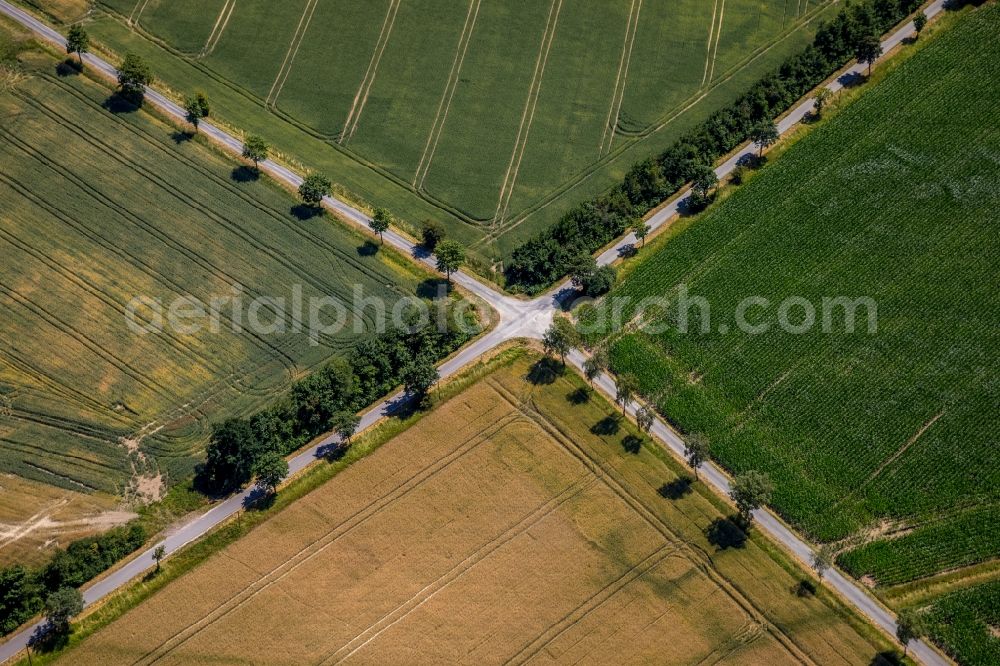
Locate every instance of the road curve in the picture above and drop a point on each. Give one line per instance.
(517, 319)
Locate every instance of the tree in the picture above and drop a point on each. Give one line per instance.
(560, 337)
(419, 376)
(919, 22)
(751, 490)
(909, 626)
(78, 42)
(868, 49)
(133, 77)
(231, 453)
(641, 230)
(255, 149)
(203, 104)
(644, 418)
(822, 559)
(432, 233)
(696, 451)
(450, 257)
(582, 270)
(595, 365)
(821, 100)
(158, 554)
(192, 109)
(626, 387)
(270, 469)
(764, 134)
(62, 606)
(314, 188)
(380, 222)
(345, 424)
(704, 181)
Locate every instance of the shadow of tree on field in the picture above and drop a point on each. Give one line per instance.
(544, 371)
(725, 533)
(119, 103)
(433, 288)
(180, 137)
(632, 444)
(805, 588)
(367, 249)
(304, 213)
(579, 396)
(245, 174)
(68, 67)
(887, 658)
(609, 425)
(677, 488)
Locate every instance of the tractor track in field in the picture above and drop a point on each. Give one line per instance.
(621, 78)
(454, 76)
(526, 522)
(323, 542)
(528, 115)
(218, 29)
(361, 96)
(271, 101)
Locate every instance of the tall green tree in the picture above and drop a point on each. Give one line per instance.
(232, 451)
(560, 337)
(644, 418)
(380, 222)
(61, 607)
(419, 376)
(910, 625)
(133, 77)
(704, 181)
(822, 560)
(158, 554)
(595, 365)
(696, 451)
(256, 149)
(432, 233)
(868, 49)
(450, 257)
(345, 424)
(919, 22)
(764, 134)
(314, 188)
(821, 100)
(641, 229)
(270, 469)
(750, 491)
(626, 386)
(78, 42)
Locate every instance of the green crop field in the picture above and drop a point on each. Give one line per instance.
(967, 624)
(493, 117)
(881, 441)
(98, 208)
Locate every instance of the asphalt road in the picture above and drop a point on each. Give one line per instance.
(517, 319)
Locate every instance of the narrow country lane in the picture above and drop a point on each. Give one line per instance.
(517, 319)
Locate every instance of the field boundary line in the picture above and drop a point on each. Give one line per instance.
(535, 516)
(351, 123)
(528, 115)
(623, 68)
(315, 548)
(437, 128)
(592, 603)
(293, 50)
(213, 38)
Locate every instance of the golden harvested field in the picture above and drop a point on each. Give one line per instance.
(497, 529)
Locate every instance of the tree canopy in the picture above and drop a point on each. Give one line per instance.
(133, 77)
(750, 491)
(314, 188)
(450, 257)
(255, 149)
